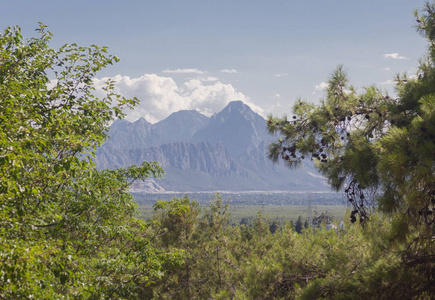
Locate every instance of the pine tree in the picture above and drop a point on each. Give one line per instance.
(299, 225)
(380, 152)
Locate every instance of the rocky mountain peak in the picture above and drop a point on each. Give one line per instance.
(179, 126)
(142, 122)
(235, 110)
(236, 126)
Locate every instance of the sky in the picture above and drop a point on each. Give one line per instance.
(203, 54)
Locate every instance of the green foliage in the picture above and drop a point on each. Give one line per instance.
(206, 241)
(375, 148)
(380, 151)
(338, 135)
(224, 261)
(69, 231)
(66, 229)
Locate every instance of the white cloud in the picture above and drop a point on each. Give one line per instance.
(184, 71)
(277, 95)
(387, 69)
(321, 86)
(394, 56)
(161, 96)
(281, 75)
(229, 71)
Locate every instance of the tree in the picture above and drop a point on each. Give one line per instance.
(380, 151)
(209, 269)
(176, 222)
(66, 229)
(322, 219)
(376, 148)
(299, 225)
(273, 227)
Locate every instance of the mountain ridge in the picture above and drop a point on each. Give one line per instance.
(227, 151)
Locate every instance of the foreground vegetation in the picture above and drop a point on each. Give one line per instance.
(69, 231)
(222, 261)
(66, 229)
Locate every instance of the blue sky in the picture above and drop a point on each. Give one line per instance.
(203, 54)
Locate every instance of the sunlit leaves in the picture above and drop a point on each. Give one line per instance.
(66, 229)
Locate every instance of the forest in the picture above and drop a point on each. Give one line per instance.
(70, 231)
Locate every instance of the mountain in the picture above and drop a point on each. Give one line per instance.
(124, 134)
(179, 126)
(236, 126)
(224, 152)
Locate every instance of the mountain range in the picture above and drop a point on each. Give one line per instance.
(224, 152)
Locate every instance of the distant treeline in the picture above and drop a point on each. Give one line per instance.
(249, 198)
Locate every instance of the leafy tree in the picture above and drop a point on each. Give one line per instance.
(380, 151)
(66, 229)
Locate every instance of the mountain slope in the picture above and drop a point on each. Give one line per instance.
(179, 126)
(128, 135)
(236, 126)
(224, 152)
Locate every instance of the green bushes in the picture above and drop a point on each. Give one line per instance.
(225, 261)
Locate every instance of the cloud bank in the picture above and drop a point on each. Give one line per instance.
(161, 96)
